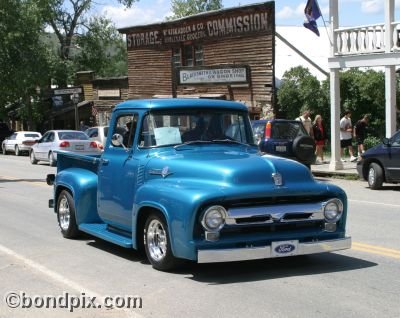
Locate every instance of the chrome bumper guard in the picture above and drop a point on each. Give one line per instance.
(252, 253)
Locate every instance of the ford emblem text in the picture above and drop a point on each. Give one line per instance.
(285, 248)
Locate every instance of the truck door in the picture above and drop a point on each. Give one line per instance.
(117, 174)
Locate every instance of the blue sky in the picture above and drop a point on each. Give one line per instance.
(288, 12)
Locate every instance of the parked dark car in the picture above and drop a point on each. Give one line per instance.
(285, 138)
(381, 163)
(4, 133)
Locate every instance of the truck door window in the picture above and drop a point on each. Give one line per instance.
(126, 127)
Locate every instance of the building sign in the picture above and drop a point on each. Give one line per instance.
(68, 91)
(248, 20)
(107, 93)
(211, 75)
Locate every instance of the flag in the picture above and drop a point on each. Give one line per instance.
(312, 13)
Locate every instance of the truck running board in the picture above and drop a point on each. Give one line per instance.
(101, 230)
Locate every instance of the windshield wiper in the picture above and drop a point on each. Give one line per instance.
(192, 142)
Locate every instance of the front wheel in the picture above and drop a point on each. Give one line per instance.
(17, 152)
(375, 176)
(157, 245)
(3, 148)
(66, 215)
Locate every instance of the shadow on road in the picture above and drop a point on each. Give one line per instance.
(249, 271)
(21, 180)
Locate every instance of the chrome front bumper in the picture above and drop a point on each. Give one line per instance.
(251, 253)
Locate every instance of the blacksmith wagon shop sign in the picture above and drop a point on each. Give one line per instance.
(224, 74)
(249, 20)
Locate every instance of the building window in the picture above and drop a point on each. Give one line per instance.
(187, 55)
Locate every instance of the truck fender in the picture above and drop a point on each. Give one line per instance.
(82, 184)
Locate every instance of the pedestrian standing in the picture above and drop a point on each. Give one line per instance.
(320, 136)
(360, 132)
(306, 121)
(346, 136)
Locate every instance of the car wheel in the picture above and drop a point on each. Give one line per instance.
(52, 160)
(304, 149)
(4, 150)
(17, 152)
(66, 215)
(157, 245)
(375, 176)
(33, 158)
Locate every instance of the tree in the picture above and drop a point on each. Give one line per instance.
(67, 18)
(184, 8)
(363, 92)
(23, 58)
(300, 90)
(102, 49)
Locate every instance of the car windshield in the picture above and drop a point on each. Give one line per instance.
(188, 126)
(287, 130)
(72, 135)
(31, 135)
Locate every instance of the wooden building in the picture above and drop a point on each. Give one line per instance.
(226, 54)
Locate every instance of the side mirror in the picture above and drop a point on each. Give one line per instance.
(386, 142)
(117, 140)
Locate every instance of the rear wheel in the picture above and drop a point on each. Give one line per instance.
(32, 158)
(17, 152)
(157, 244)
(375, 176)
(52, 160)
(66, 215)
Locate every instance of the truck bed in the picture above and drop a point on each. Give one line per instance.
(66, 159)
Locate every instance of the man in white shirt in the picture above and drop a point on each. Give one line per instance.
(307, 122)
(346, 135)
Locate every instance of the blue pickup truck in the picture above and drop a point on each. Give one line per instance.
(184, 180)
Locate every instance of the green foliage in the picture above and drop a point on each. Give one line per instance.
(363, 92)
(371, 141)
(102, 49)
(23, 58)
(300, 90)
(184, 8)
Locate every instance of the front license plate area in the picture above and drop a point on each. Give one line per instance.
(79, 147)
(284, 248)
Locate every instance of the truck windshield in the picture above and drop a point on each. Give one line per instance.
(186, 126)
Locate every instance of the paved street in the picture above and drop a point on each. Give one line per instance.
(35, 259)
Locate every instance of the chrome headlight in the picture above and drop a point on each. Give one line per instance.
(333, 210)
(214, 218)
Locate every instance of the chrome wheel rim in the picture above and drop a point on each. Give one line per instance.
(32, 156)
(64, 213)
(371, 176)
(156, 240)
(16, 151)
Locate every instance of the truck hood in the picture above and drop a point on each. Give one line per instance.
(225, 167)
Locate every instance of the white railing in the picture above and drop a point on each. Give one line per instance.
(365, 39)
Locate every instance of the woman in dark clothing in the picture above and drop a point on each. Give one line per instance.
(319, 136)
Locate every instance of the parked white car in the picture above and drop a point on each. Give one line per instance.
(67, 140)
(99, 133)
(20, 141)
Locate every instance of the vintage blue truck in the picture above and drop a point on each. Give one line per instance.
(183, 180)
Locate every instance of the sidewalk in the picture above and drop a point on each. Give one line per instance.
(322, 170)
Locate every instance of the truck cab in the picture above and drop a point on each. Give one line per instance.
(184, 180)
